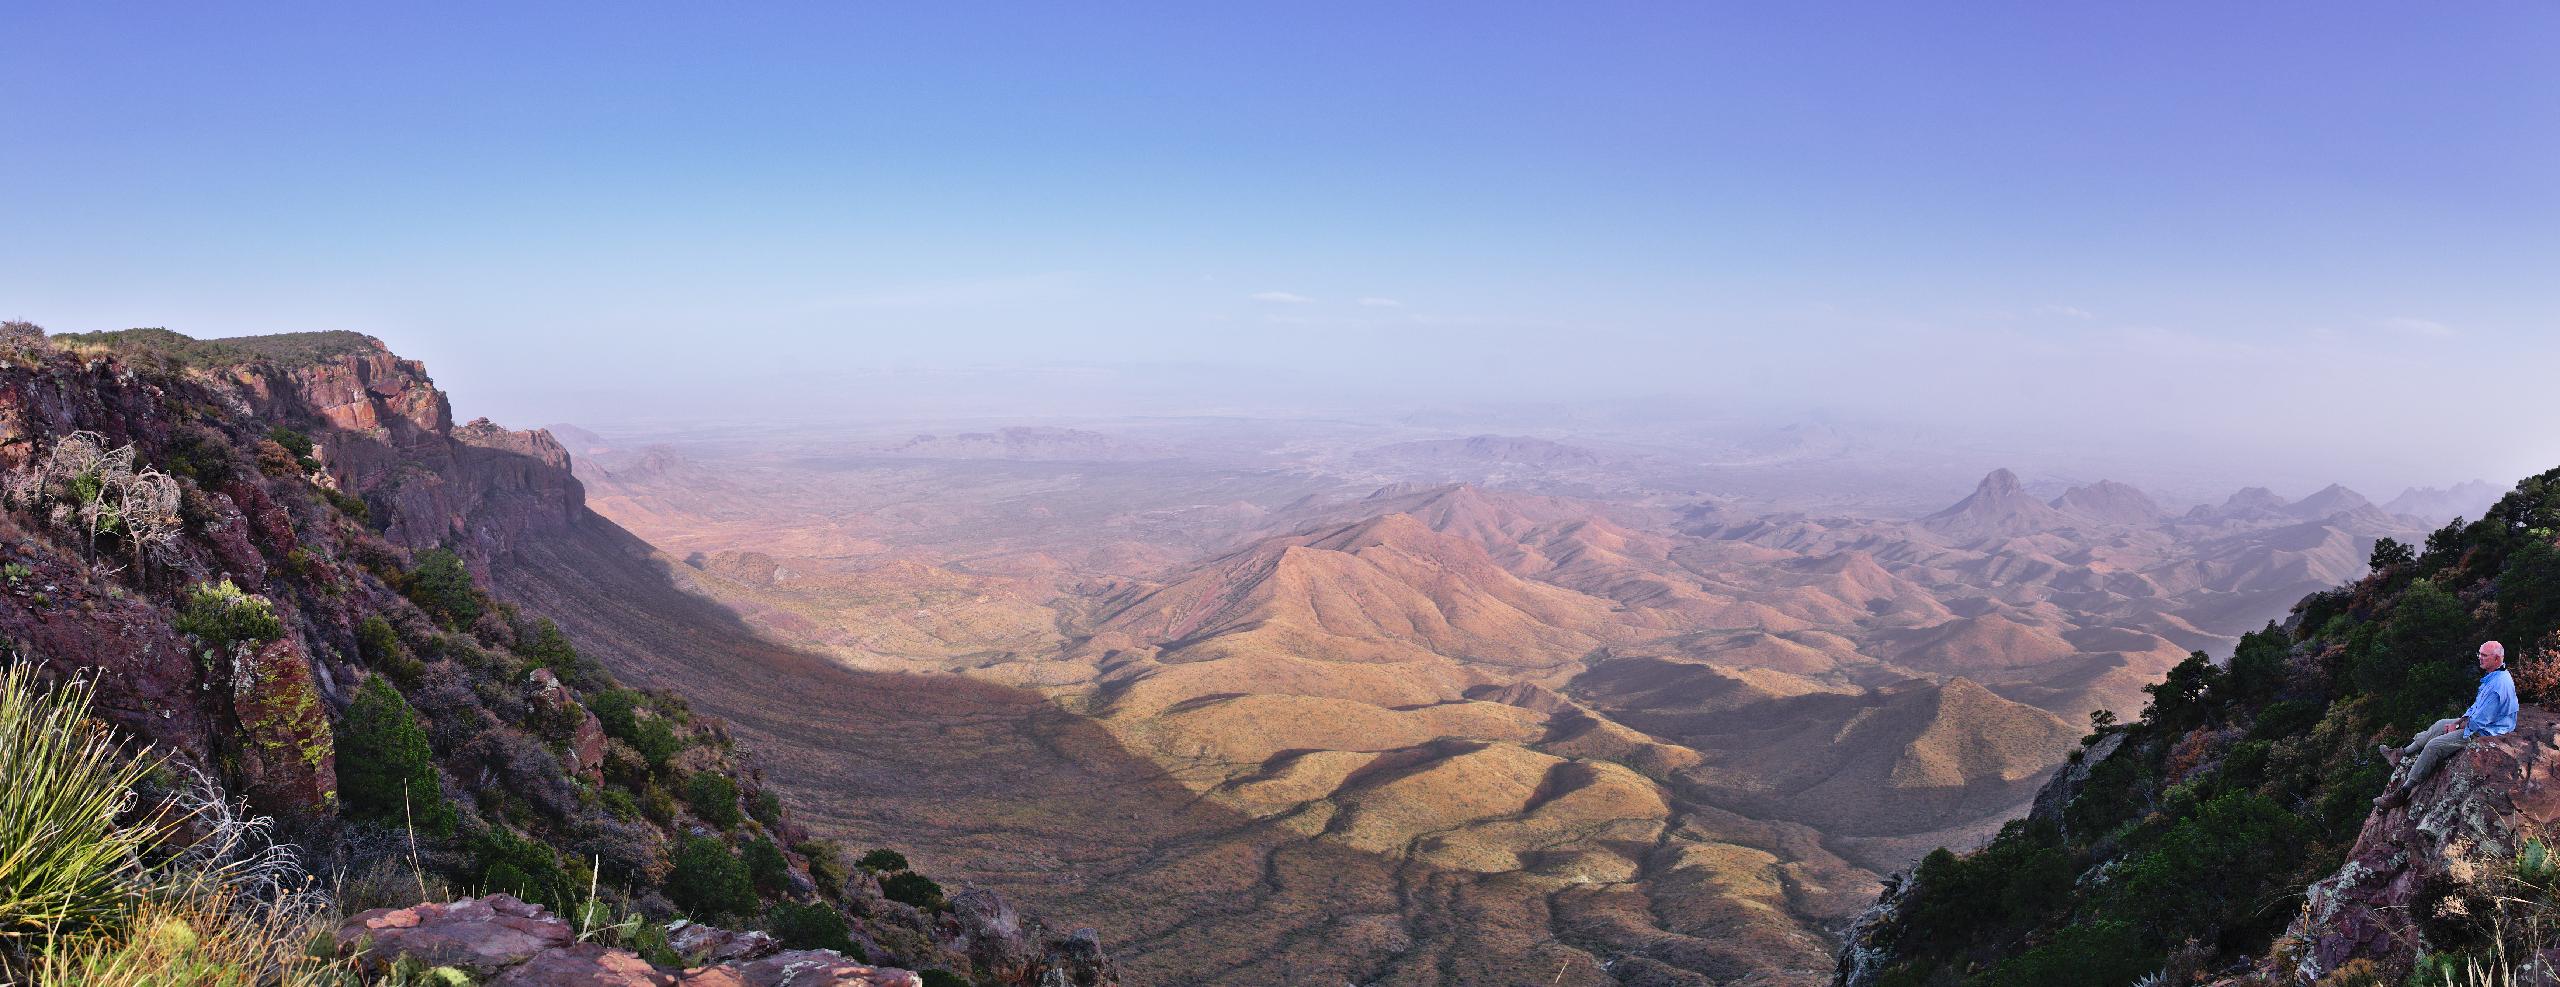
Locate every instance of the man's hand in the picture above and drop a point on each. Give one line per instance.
(2458, 724)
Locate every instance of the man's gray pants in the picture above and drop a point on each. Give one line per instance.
(2431, 747)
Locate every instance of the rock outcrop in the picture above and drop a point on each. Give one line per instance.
(2481, 804)
(504, 942)
(287, 755)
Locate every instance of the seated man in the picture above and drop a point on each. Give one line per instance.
(2492, 714)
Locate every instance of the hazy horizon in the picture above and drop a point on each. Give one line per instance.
(2284, 243)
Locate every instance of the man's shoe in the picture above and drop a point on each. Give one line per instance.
(2391, 754)
(2391, 799)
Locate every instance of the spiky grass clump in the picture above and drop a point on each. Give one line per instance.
(67, 862)
(197, 941)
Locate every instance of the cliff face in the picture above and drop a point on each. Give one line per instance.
(232, 538)
(477, 489)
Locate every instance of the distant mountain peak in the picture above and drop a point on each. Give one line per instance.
(2108, 502)
(2331, 499)
(1998, 507)
(2436, 505)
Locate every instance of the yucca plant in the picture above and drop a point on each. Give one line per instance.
(67, 855)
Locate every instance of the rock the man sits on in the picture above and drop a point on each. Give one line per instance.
(2493, 713)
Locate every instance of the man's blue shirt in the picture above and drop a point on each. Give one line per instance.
(2494, 713)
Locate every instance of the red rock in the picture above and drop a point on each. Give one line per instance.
(703, 942)
(2488, 797)
(482, 936)
(801, 968)
(584, 965)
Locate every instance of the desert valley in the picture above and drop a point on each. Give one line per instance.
(820, 494)
(1280, 701)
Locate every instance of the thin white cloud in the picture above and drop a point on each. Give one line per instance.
(2418, 327)
(1280, 297)
(2067, 312)
(1381, 303)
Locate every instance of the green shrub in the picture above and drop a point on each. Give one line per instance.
(911, 888)
(379, 645)
(543, 646)
(386, 771)
(223, 616)
(766, 807)
(441, 586)
(2097, 954)
(882, 861)
(708, 881)
(826, 865)
(68, 857)
(767, 867)
(713, 797)
(942, 978)
(526, 869)
(2210, 869)
(2286, 718)
(618, 711)
(296, 443)
(650, 941)
(348, 504)
(801, 926)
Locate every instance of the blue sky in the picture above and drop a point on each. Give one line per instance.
(2244, 221)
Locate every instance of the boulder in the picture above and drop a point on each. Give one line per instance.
(2482, 801)
(584, 965)
(694, 940)
(287, 755)
(505, 942)
(801, 968)
(481, 936)
(586, 740)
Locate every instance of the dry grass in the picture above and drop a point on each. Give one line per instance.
(198, 940)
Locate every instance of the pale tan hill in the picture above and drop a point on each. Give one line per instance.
(1743, 654)
(1252, 729)
(1972, 644)
(1946, 754)
(1383, 590)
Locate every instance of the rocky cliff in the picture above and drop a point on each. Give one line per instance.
(2384, 903)
(2229, 834)
(273, 556)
